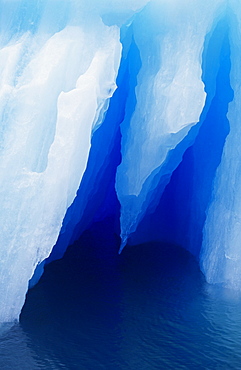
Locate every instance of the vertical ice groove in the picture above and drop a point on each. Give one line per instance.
(179, 216)
(96, 198)
(221, 252)
(48, 110)
(170, 94)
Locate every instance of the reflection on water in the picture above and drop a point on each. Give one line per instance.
(149, 308)
(15, 350)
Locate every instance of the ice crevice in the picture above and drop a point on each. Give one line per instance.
(171, 99)
(179, 215)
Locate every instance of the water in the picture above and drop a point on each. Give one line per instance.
(149, 308)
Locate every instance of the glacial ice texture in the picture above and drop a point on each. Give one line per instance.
(55, 86)
(129, 107)
(170, 97)
(221, 252)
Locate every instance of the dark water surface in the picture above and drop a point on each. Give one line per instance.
(149, 308)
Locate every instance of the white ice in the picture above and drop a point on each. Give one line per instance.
(54, 87)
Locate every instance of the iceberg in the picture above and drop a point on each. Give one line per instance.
(122, 109)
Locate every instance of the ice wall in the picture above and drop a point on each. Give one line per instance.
(170, 99)
(178, 213)
(57, 71)
(221, 252)
(120, 110)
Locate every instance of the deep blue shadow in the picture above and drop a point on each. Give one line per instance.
(148, 308)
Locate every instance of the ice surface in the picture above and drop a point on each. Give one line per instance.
(221, 252)
(170, 97)
(54, 89)
(165, 142)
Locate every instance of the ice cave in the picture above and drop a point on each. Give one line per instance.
(122, 113)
